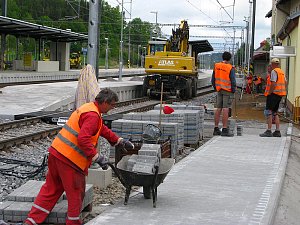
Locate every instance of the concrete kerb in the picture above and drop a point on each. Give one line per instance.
(278, 182)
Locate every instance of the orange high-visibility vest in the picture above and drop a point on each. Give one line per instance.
(268, 85)
(222, 79)
(258, 81)
(280, 84)
(66, 141)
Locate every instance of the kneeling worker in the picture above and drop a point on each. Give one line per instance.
(70, 155)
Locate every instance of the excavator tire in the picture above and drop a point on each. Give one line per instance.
(194, 87)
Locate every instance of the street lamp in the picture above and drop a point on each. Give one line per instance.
(138, 61)
(106, 54)
(143, 57)
(156, 31)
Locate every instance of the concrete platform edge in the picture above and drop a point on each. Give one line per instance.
(271, 211)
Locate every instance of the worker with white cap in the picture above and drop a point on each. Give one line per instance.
(275, 90)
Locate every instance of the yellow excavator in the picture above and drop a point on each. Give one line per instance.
(173, 62)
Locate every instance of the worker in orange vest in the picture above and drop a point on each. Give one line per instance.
(224, 82)
(275, 90)
(70, 155)
(257, 80)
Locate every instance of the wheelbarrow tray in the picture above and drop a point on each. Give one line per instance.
(142, 179)
(149, 182)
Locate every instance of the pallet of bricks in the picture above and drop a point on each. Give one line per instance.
(134, 129)
(193, 116)
(164, 145)
(20, 201)
(183, 127)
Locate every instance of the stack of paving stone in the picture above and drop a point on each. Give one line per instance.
(148, 157)
(193, 121)
(134, 129)
(20, 201)
(154, 115)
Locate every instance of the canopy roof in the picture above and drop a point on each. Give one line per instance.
(201, 46)
(25, 29)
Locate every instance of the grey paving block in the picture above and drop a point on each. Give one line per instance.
(27, 192)
(4, 205)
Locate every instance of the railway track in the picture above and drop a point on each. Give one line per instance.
(17, 132)
(22, 131)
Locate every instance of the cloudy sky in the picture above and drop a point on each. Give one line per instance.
(203, 12)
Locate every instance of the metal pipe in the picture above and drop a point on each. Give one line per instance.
(121, 44)
(253, 29)
(106, 54)
(93, 34)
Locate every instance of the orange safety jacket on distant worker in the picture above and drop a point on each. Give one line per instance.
(257, 81)
(222, 76)
(66, 141)
(280, 83)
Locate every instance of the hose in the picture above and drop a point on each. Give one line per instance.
(20, 172)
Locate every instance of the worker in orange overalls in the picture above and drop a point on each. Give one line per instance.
(275, 90)
(249, 84)
(70, 156)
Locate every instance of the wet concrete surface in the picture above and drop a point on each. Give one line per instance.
(249, 107)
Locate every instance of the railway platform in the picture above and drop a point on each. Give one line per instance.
(60, 96)
(228, 180)
(10, 76)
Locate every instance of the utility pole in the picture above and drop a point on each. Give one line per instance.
(249, 40)
(233, 47)
(246, 43)
(3, 36)
(129, 45)
(253, 29)
(156, 30)
(93, 35)
(106, 54)
(138, 58)
(121, 44)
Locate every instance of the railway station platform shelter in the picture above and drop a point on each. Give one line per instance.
(57, 57)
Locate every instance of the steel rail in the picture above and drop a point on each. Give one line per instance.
(14, 141)
(37, 119)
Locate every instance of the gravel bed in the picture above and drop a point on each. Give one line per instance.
(28, 129)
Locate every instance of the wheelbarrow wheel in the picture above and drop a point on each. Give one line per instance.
(147, 192)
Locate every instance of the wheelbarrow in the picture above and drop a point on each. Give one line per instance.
(149, 182)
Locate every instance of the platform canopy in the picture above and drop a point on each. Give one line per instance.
(201, 46)
(25, 29)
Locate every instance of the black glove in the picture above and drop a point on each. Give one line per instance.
(102, 161)
(127, 145)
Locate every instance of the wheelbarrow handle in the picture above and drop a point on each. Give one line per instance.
(116, 171)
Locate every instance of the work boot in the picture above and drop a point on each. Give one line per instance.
(226, 133)
(276, 133)
(267, 133)
(217, 131)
